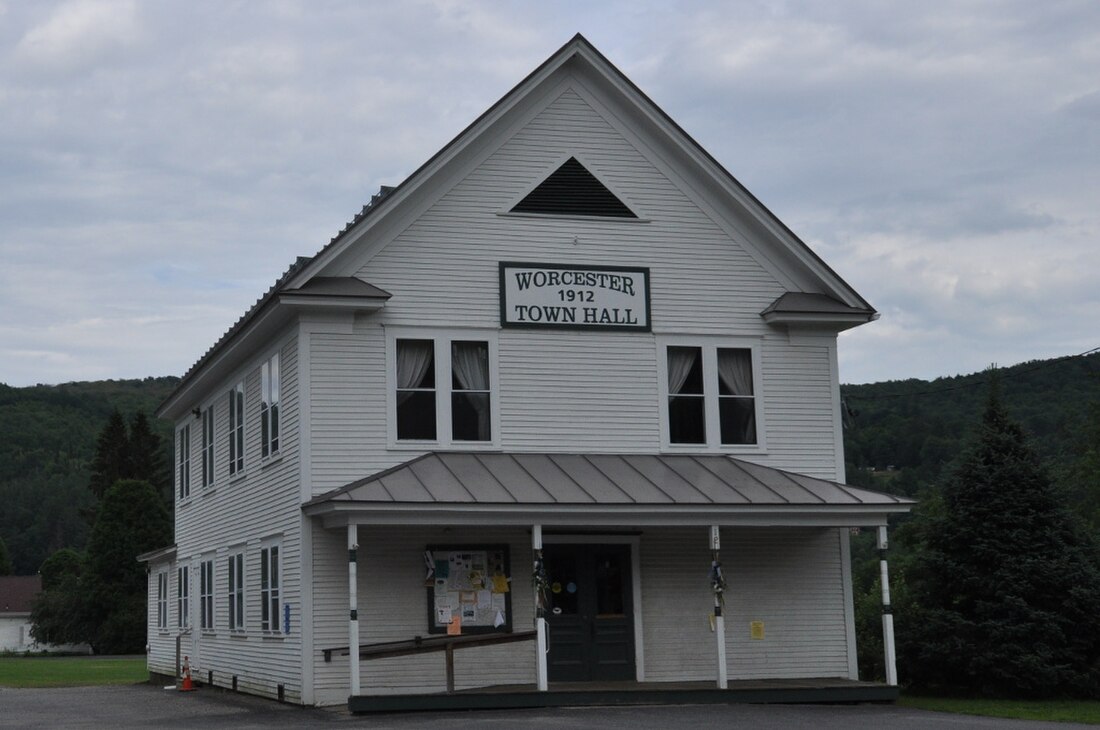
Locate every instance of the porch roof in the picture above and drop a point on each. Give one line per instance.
(603, 489)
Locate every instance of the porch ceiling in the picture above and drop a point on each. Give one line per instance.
(598, 489)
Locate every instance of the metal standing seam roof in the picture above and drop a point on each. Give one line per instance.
(600, 479)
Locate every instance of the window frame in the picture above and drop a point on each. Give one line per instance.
(442, 340)
(162, 600)
(206, 595)
(183, 462)
(235, 591)
(271, 599)
(709, 346)
(270, 410)
(235, 432)
(208, 440)
(183, 598)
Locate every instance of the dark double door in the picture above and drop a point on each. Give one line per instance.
(591, 613)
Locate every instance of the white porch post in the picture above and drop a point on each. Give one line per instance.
(887, 616)
(540, 614)
(353, 603)
(719, 619)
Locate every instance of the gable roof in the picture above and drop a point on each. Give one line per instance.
(389, 199)
(17, 593)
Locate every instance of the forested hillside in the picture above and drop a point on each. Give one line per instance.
(901, 435)
(47, 439)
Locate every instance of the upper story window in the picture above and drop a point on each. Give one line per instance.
(269, 406)
(443, 390)
(710, 396)
(236, 429)
(208, 447)
(183, 461)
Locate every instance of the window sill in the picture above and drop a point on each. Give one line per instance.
(272, 460)
(209, 634)
(711, 449)
(238, 634)
(271, 636)
(443, 446)
(207, 491)
(234, 478)
(185, 502)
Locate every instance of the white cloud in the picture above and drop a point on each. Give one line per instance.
(941, 156)
(80, 33)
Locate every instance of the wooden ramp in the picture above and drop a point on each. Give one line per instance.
(579, 694)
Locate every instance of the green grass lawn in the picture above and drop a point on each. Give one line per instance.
(1082, 711)
(70, 671)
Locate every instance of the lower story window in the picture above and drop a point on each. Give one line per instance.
(183, 597)
(162, 600)
(235, 576)
(269, 588)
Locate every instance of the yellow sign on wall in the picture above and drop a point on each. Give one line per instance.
(756, 630)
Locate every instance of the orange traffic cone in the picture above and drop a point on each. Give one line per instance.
(188, 686)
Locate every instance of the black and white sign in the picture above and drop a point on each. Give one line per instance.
(574, 297)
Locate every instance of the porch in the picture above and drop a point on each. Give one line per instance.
(823, 690)
(628, 596)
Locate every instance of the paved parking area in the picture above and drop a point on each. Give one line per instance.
(146, 706)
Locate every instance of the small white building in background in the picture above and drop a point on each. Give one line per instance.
(17, 595)
(570, 351)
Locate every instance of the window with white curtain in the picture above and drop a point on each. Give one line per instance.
(443, 390)
(709, 396)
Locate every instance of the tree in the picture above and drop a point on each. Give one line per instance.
(145, 459)
(5, 559)
(1003, 591)
(112, 451)
(132, 520)
(58, 613)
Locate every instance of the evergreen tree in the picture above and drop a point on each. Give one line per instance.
(145, 455)
(112, 452)
(1003, 592)
(5, 559)
(132, 520)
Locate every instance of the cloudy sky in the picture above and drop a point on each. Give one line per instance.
(162, 162)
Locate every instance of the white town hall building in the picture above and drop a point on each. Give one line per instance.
(558, 412)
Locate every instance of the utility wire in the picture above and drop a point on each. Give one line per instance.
(974, 384)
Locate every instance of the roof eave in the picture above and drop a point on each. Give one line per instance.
(836, 322)
(226, 357)
(158, 555)
(321, 301)
(337, 513)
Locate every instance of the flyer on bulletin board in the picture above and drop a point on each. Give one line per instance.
(469, 592)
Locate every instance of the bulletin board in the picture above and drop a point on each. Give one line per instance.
(469, 589)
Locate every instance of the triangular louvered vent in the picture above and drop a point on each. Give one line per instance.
(573, 190)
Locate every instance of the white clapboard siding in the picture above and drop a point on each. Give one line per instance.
(566, 390)
(393, 607)
(161, 658)
(788, 578)
(243, 512)
(701, 279)
(561, 391)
